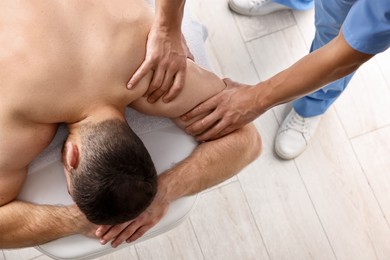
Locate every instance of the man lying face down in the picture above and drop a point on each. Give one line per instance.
(113, 179)
(72, 67)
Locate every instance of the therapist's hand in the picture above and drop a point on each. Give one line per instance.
(166, 56)
(227, 111)
(134, 229)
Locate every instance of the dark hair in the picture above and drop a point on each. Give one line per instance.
(115, 179)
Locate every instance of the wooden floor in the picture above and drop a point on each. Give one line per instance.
(333, 202)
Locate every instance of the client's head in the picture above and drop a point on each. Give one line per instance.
(110, 174)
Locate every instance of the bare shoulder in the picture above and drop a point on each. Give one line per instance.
(20, 143)
(200, 85)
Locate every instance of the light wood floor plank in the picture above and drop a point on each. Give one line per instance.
(365, 104)
(127, 253)
(179, 244)
(21, 254)
(224, 38)
(383, 60)
(280, 204)
(224, 226)
(342, 197)
(305, 22)
(42, 257)
(253, 27)
(373, 152)
(277, 51)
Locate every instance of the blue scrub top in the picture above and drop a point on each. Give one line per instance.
(367, 26)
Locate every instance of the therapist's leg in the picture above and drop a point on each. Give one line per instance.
(301, 123)
(263, 7)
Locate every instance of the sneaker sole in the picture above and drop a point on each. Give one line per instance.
(286, 157)
(238, 10)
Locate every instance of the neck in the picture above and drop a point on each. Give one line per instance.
(96, 115)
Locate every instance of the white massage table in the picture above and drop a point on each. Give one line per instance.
(166, 143)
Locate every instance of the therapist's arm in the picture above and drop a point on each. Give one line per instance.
(239, 104)
(210, 163)
(166, 53)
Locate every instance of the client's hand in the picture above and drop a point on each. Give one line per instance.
(166, 54)
(85, 227)
(134, 229)
(227, 111)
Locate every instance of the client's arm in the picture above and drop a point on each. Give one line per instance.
(24, 224)
(210, 163)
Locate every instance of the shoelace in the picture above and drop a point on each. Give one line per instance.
(298, 123)
(258, 3)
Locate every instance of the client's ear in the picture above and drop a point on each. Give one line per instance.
(71, 156)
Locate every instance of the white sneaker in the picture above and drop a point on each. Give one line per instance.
(255, 7)
(294, 134)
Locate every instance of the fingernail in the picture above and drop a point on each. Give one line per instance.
(103, 242)
(184, 118)
(129, 86)
(166, 100)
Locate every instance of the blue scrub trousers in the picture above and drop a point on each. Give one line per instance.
(329, 16)
(296, 4)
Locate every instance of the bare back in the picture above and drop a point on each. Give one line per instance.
(60, 58)
(58, 54)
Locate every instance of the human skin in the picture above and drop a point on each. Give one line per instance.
(240, 104)
(166, 52)
(72, 66)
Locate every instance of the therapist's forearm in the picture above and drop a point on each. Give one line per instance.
(325, 65)
(211, 163)
(23, 224)
(169, 14)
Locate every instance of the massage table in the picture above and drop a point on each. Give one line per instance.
(167, 144)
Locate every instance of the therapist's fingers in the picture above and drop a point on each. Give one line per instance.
(203, 124)
(213, 132)
(141, 72)
(207, 106)
(162, 89)
(177, 86)
(157, 80)
(216, 132)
